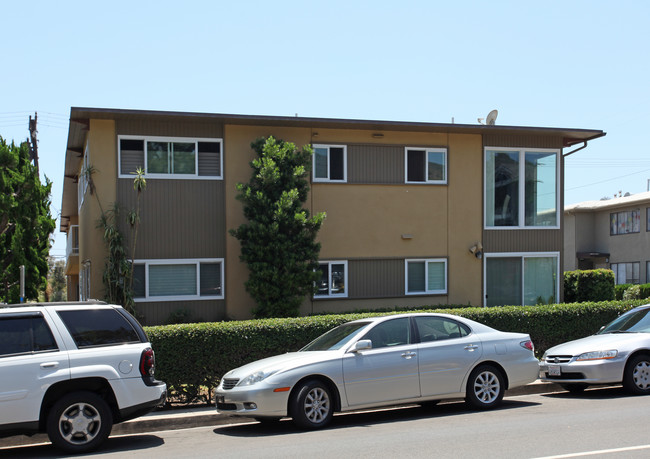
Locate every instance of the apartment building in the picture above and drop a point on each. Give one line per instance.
(417, 213)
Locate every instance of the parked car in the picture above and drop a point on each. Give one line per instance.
(73, 370)
(406, 358)
(618, 353)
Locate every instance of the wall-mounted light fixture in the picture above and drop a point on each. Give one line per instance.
(407, 236)
(477, 250)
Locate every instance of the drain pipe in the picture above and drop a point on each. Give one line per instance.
(584, 145)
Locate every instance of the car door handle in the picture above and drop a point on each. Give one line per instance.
(49, 365)
(408, 355)
(471, 347)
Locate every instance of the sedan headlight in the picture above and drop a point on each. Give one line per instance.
(255, 378)
(598, 355)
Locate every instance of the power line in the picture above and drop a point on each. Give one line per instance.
(608, 180)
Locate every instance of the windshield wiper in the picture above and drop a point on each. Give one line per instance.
(620, 331)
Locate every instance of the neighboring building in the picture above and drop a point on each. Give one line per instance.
(614, 234)
(417, 213)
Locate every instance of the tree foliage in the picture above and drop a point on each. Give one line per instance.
(279, 241)
(25, 223)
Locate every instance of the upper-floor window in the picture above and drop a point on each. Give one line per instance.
(426, 277)
(330, 163)
(165, 157)
(625, 222)
(333, 279)
(425, 165)
(84, 172)
(521, 188)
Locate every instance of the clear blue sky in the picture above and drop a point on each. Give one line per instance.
(575, 64)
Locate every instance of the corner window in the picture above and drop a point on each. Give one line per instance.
(515, 279)
(174, 280)
(426, 165)
(329, 163)
(163, 157)
(333, 279)
(426, 277)
(626, 273)
(82, 182)
(521, 188)
(625, 222)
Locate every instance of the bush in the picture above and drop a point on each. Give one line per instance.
(589, 285)
(620, 289)
(192, 358)
(632, 293)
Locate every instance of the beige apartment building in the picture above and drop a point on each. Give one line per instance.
(417, 213)
(612, 234)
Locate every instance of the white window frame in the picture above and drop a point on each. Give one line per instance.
(84, 281)
(194, 140)
(616, 280)
(523, 256)
(426, 275)
(522, 187)
(178, 261)
(82, 181)
(345, 164)
(329, 264)
(426, 181)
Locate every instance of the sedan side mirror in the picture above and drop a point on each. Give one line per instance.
(362, 345)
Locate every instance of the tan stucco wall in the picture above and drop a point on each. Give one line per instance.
(102, 150)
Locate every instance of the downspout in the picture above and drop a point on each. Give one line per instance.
(584, 145)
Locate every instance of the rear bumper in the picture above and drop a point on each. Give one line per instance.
(140, 409)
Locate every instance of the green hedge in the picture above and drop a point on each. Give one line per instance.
(589, 285)
(191, 358)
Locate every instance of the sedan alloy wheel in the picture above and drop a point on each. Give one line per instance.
(485, 387)
(312, 408)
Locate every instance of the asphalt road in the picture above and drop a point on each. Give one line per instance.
(599, 423)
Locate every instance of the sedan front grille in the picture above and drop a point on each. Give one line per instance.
(229, 383)
(551, 359)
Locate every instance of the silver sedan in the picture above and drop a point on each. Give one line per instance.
(618, 353)
(406, 358)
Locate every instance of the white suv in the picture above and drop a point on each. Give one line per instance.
(73, 370)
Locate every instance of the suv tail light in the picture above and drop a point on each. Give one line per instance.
(147, 362)
(528, 344)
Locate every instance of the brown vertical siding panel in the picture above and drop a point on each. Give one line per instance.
(157, 313)
(517, 141)
(376, 278)
(168, 127)
(380, 164)
(209, 164)
(522, 241)
(178, 218)
(130, 160)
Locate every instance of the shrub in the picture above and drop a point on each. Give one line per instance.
(619, 290)
(589, 285)
(632, 293)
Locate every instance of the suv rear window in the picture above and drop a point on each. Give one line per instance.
(98, 327)
(25, 334)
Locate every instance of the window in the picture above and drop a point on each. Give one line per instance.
(426, 165)
(82, 183)
(84, 281)
(164, 157)
(626, 273)
(98, 327)
(625, 222)
(647, 218)
(426, 277)
(513, 279)
(333, 279)
(395, 332)
(174, 280)
(521, 188)
(647, 272)
(25, 333)
(439, 328)
(330, 163)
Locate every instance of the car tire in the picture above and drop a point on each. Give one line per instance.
(312, 405)
(574, 388)
(79, 422)
(636, 379)
(485, 387)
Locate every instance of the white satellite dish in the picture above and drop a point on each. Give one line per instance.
(491, 118)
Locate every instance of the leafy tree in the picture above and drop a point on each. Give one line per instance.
(279, 241)
(25, 223)
(56, 286)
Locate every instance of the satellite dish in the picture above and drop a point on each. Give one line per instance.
(491, 118)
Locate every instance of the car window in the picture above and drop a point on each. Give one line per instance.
(24, 335)
(439, 328)
(390, 333)
(335, 338)
(631, 322)
(98, 327)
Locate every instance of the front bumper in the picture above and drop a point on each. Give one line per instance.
(585, 372)
(258, 400)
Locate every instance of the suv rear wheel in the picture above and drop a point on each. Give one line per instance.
(79, 421)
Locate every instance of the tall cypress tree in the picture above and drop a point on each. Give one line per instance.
(279, 241)
(25, 223)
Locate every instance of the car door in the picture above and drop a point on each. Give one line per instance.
(30, 361)
(447, 352)
(386, 372)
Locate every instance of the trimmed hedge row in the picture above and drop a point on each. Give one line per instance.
(644, 290)
(589, 285)
(191, 358)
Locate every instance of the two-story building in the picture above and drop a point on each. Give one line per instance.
(417, 213)
(612, 234)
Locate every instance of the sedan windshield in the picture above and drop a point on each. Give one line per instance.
(335, 338)
(632, 322)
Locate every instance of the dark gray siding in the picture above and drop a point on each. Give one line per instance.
(516, 141)
(130, 160)
(169, 127)
(380, 164)
(178, 218)
(158, 313)
(522, 241)
(382, 278)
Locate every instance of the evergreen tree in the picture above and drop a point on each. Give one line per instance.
(25, 223)
(279, 241)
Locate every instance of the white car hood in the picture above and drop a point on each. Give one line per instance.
(282, 362)
(619, 341)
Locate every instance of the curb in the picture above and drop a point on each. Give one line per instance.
(208, 416)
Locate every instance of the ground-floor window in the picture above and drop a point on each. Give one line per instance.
(333, 279)
(428, 277)
(521, 278)
(626, 273)
(174, 280)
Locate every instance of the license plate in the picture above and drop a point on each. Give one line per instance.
(554, 370)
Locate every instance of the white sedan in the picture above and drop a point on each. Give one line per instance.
(406, 358)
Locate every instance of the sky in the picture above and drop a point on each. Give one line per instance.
(570, 64)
